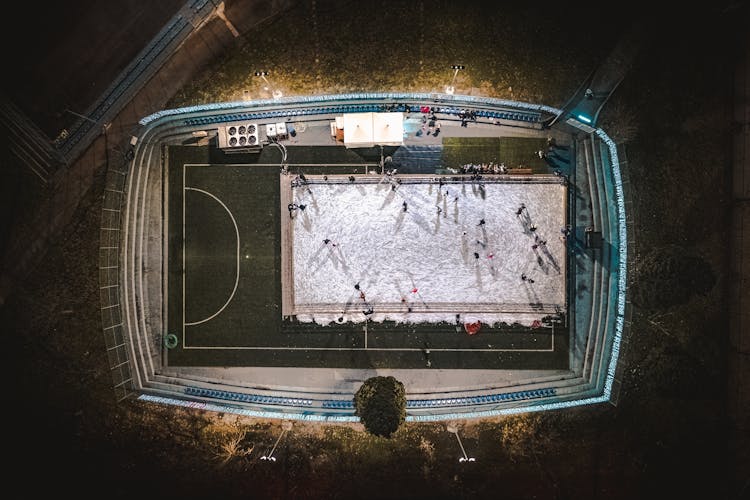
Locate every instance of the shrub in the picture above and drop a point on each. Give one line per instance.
(380, 403)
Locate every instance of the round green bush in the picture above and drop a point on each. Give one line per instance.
(380, 404)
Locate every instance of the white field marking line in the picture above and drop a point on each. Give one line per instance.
(237, 274)
(277, 165)
(365, 348)
(165, 255)
(394, 349)
(182, 277)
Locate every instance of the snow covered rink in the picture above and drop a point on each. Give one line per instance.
(414, 248)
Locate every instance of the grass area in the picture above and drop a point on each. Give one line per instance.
(321, 47)
(514, 152)
(459, 151)
(522, 152)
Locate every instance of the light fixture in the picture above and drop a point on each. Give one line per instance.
(276, 93)
(454, 430)
(450, 89)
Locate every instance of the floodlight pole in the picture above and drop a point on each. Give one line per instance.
(79, 115)
(105, 127)
(450, 89)
(466, 458)
(286, 426)
(276, 93)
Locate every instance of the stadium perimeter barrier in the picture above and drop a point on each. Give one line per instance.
(622, 362)
(112, 320)
(109, 280)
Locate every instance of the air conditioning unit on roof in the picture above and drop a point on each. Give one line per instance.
(239, 135)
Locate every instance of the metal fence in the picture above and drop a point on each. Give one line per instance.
(109, 281)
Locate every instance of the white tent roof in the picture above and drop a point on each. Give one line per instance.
(362, 130)
(358, 130)
(388, 128)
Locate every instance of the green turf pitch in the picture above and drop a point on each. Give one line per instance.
(512, 151)
(218, 325)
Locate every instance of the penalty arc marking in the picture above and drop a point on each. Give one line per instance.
(237, 274)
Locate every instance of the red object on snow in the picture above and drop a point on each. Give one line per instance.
(536, 324)
(472, 328)
(414, 290)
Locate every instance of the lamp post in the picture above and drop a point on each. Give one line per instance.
(453, 429)
(285, 426)
(277, 94)
(450, 89)
(105, 127)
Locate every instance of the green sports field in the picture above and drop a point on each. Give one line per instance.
(224, 280)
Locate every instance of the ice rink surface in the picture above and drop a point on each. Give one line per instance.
(418, 250)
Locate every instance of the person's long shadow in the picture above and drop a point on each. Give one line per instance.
(399, 221)
(542, 265)
(306, 222)
(388, 199)
(550, 163)
(437, 221)
(556, 156)
(314, 203)
(533, 296)
(316, 261)
(478, 272)
(484, 236)
(551, 258)
(482, 191)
